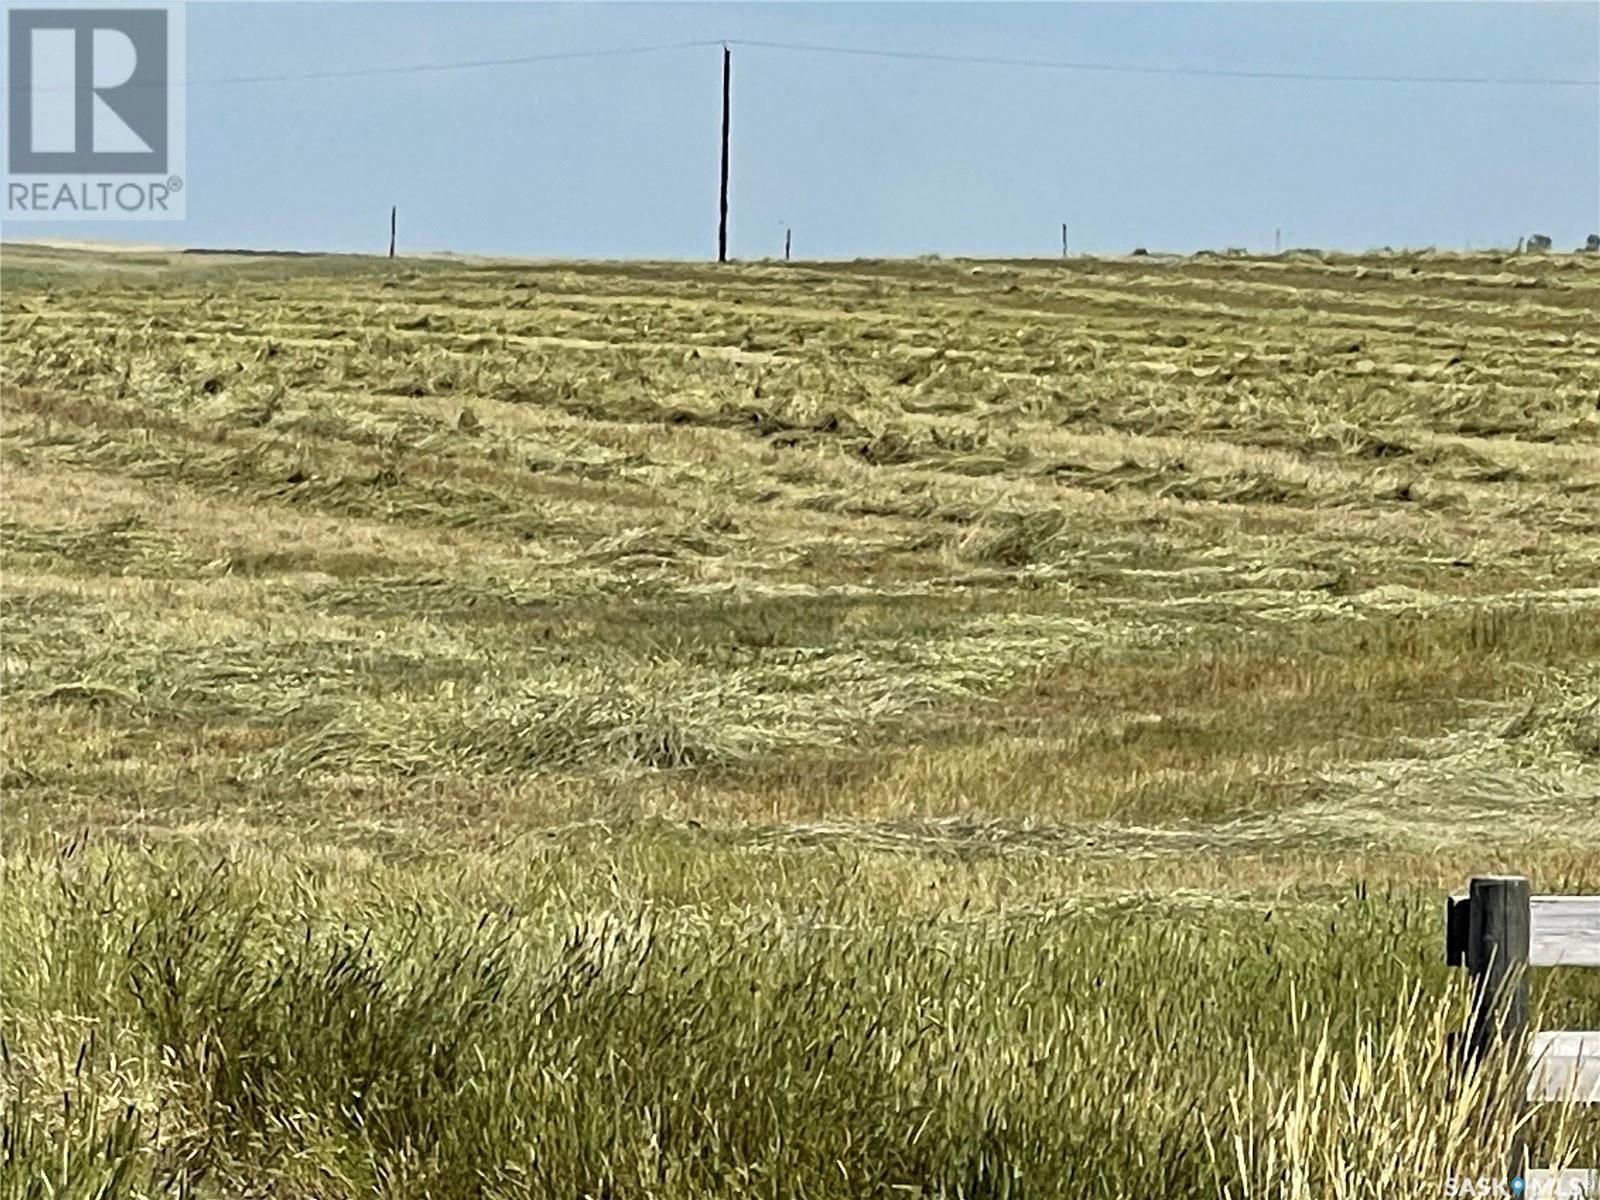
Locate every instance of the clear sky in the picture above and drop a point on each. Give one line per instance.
(617, 157)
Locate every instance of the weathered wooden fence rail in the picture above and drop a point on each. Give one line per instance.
(1498, 931)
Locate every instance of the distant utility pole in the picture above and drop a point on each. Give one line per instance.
(1063, 239)
(722, 220)
(1277, 241)
(787, 234)
(393, 209)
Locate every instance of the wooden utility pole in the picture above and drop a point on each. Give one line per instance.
(1063, 239)
(722, 219)
(392, 211)
(787, 234)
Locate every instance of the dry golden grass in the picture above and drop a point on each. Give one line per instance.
(933, 603)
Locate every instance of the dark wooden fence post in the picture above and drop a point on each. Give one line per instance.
(1498, 926)
(1489, 933)
(392, 211)
(1497, 931)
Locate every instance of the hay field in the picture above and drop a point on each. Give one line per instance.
(884, 728)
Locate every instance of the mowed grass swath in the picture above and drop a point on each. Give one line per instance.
(875, 729)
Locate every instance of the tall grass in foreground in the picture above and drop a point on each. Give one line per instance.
(261, 1030)
(1389, 1112)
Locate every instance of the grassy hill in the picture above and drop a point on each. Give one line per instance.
(806, 730)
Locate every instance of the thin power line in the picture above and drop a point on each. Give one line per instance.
(461, 65)
(1129, 69)
(870, 52)
(466, 64)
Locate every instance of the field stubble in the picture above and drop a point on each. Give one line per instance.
(988, 729)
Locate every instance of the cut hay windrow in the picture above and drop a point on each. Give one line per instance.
(953, 729)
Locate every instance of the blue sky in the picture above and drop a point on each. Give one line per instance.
(617, 157)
